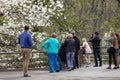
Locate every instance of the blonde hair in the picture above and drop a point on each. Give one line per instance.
(84, 39)
(112, 34)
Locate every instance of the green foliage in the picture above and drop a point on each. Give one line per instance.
(80, 16)
(114, 23)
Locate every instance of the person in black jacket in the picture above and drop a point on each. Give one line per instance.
(95, 40)
(70, 51)
(77, 48)
(62, 56)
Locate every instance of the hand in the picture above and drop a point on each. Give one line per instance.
(92, 35)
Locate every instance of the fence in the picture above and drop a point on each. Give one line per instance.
(13, 61)
(104, 55)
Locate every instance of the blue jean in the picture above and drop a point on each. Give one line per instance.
(70, 59)
(97, 56)
(53, 62)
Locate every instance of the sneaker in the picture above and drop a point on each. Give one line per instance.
(108, 67)
(27, 75)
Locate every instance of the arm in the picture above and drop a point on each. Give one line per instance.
(108, 39)
(44, 44)
(84, 44)
(30, 40)
(91, 39)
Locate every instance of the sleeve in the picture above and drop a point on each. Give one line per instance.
(91, 39)
(84, 44)
(30, 40)
(44, 44)
(58, 44)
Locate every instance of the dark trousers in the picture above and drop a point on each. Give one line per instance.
(97, 56)
(112, 55)
(76, 62)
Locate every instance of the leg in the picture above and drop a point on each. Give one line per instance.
(80, 58)
(24, 61)
(56, 63)
(114, 59)
(60, 63)
(117, 57)
(76, 64)
(95, 57)
(68, 60)
(88, 55)
(86, 58)
(99, 57)
(51, 62)
(72, 59)
(110, 59)
(26, 57)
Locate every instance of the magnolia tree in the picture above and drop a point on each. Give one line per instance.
(17, 13)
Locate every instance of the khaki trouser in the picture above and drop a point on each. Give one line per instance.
(26, 56)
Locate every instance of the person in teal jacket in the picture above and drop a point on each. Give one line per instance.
(52, 45)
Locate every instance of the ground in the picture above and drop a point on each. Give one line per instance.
(84, 73)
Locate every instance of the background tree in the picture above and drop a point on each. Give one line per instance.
(62, 16)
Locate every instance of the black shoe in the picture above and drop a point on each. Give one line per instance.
(27, 75)
(116, 67)
(95, 66)
(69, 69)
(57, 71)
(108, 67)
(100, 65)
(72, 68)
(77, 66)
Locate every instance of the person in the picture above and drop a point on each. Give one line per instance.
(25, 41)
(70, 51)
(118, 50)
(87, 50)
(62, 56)
(95, 40)
(77, 48)
(52, 45)
(112, 50)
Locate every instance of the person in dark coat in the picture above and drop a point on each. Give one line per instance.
(95, 40)
(77, 47)
(70, 51)
(62, 56)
